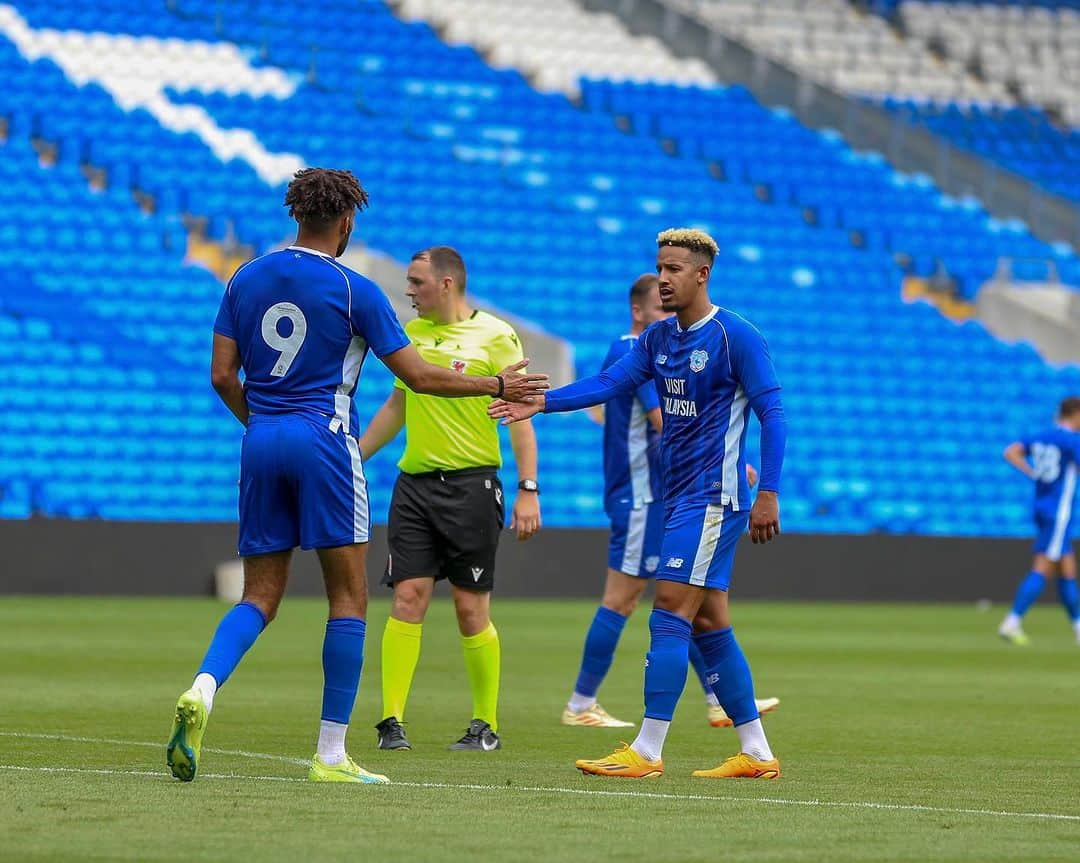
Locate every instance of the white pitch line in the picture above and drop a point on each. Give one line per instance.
(529, 789)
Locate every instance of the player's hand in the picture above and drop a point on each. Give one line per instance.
(751, 475)
(518, 387)
(764, 517)
(500, 409)
(526, 516)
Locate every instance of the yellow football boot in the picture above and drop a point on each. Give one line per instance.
(185, 742)
(595, 717)
(624, 762)
(742, 766)
(719, 719)
(347, 771)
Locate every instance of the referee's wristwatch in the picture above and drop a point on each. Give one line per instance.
(529, 485)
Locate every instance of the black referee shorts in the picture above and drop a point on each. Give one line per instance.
(446, 524)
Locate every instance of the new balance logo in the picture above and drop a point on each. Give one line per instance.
(476, 571)
(712, 679)
(674, 562)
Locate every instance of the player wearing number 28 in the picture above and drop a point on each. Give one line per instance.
(299, 325)
(711, 368)
(1051, 459)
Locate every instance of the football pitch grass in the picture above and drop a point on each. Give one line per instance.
(905, 733)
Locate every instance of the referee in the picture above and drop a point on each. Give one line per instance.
(447, 509)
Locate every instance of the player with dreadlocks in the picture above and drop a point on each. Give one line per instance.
(299, 325)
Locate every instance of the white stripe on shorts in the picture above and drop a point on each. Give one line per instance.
(1063, 515)
(712, 526)
(360, 496)
(635, 541)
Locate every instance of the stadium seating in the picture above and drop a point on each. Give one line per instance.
(833, 42)
(898, 415)
(1031, 48)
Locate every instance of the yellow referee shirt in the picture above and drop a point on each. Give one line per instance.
(451, 434)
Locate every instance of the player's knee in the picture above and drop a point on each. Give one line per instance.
(410, 601)
(268, 605)
(621, 603)
(472, 614)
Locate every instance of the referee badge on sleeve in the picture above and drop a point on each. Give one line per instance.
(459, 366)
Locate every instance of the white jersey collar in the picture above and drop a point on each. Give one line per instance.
(309, 251)
(697, 325)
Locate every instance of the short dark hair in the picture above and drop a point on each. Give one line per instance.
(445, 261)
(318, 197)
(642, 287)
(1069, 406)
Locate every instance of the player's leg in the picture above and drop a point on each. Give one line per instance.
(400, 655)
(334, 520)
(1029, 590)
(470, 516)
(1068, 593)
(621, 595)
(734, 688)
(633, 552)
(691, 534)
(411, 568)
(483, 660)
(268, 532)
(345, 575)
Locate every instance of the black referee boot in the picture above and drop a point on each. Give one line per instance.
(392, 734)
(479, 738)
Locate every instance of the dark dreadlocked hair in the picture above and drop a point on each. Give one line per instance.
(317, 197)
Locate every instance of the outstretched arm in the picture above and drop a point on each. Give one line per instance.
(629, 372)
(423, 377)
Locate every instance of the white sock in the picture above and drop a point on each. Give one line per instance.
(579, 702)
(752, 740)
(207, 687)
(711, 699)
(650, 740)
(331, 748)
(1011, 621)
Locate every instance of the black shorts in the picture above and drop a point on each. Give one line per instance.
(446, 524)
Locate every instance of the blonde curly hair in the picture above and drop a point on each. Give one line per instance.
(689, 238)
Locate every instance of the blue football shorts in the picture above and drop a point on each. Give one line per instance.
(300, 484)
(699, 542)
(636, 534)
(1053, 536)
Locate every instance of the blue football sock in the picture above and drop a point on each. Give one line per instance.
(698, 661)
(665, 663)
(342, 659)
(600, 643)
(733, 686)
(1070, 597)
(234, 636)
(1028, 591)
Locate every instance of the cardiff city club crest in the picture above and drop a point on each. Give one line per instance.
(698, 360)
(459, 366)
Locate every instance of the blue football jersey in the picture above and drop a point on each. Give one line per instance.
(1055, 458)
(706, 377)
(304, 324)
(631, 445)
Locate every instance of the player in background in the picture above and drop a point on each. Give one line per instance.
(633, 501)
(299, 325)
(1052, 459)
(446, 513)
(711, 368)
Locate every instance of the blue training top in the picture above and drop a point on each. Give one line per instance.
(631, 445)
(304, 324)
(1055, 457)
(708, 376)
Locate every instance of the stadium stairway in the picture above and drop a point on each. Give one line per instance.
(898, 415)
